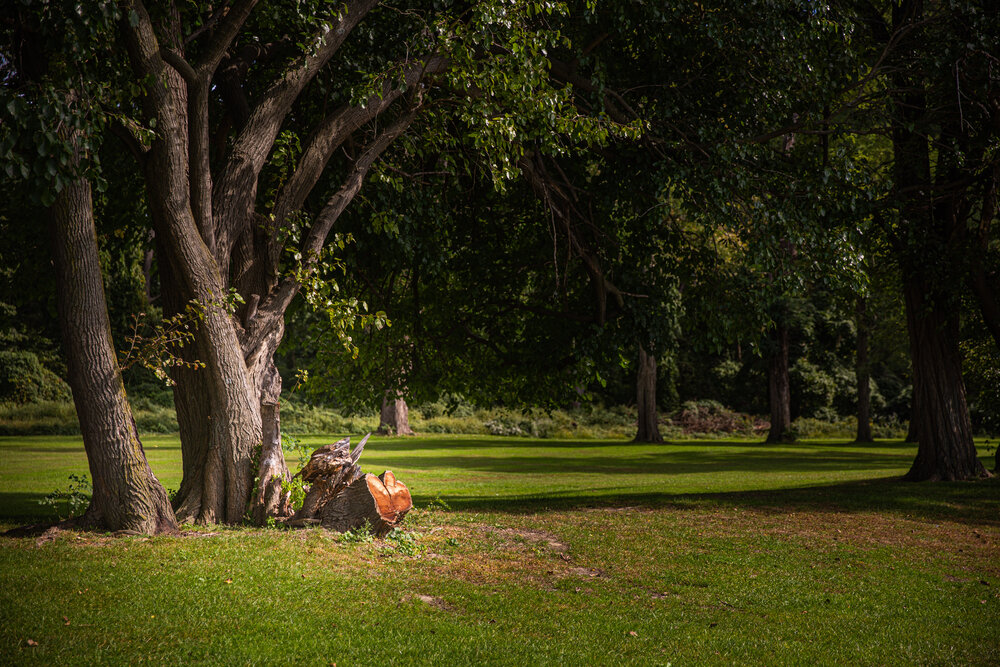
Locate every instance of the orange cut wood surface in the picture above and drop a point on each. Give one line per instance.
(392, 498)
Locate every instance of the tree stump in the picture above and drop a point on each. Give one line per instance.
(343, 498)
(380, 502)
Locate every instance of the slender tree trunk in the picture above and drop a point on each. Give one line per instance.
(270, 498)
(126, 493)
(779, 388)
(946, 450)
(863, 373)
(394, 417)
(645, 399)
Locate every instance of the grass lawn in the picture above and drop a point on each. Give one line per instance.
(532, 552)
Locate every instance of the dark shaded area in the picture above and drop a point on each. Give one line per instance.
(680, 459)
(972, 503)
(24, 508)
(530, 444)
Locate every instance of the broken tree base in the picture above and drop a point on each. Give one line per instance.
(342, 498)
(378, 502)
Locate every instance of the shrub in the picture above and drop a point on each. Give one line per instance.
(812, 388)
(707, 417)
(23, 379)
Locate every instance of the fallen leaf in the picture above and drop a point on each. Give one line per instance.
(229, 581)
(32, 642)
(66, 621)
(633, 633)
(303, 575)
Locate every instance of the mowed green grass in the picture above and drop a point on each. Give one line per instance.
(532, 552)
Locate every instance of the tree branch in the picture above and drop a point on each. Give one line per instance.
(234, 197)
(182, 66)
(223, 37)
(271, 310)
(334, 129)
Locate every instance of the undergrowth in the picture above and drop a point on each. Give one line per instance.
(703, 419)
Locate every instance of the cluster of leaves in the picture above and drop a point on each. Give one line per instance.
(76, 497)
(157, 346)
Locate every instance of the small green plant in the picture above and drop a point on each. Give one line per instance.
(295, 488)
(360, 535)
(406, 544)
(76, 497)
(437, 503)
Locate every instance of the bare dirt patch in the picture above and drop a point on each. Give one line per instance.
(535, 536)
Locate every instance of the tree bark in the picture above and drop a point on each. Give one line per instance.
(225, 461)
(932, 233)
(945, 450)
(779, 388)
(394, 417)
(863, 373)
(645, 399)
(126, 493)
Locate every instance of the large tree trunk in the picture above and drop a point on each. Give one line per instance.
(394, 417)
(645, 399)
(946, 450)
(223, 456)
(932, 228)
(863, 374)
(211, 239)
(126, 493)
(779, 388)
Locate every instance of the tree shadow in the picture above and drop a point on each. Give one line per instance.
(665, 462)
(972, 503)
(25, 508)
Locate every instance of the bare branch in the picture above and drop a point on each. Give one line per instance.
(182, 66)
(334, 130)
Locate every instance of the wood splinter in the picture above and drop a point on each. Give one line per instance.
(342, 498)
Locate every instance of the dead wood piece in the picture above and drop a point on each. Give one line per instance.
(330, 469)
(381, 502)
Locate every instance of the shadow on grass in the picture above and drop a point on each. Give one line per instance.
(973, 503)
(665, 462)
(431, 443)
(24, 508)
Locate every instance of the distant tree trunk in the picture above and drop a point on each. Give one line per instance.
(863, 373)
(946, 450)
(126, 493)
(394, 417)
(779, 388)
(645, 399)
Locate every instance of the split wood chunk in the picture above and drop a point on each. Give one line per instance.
(381, 502)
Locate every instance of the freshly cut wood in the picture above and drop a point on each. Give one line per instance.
(381, 502)
(342, 498)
